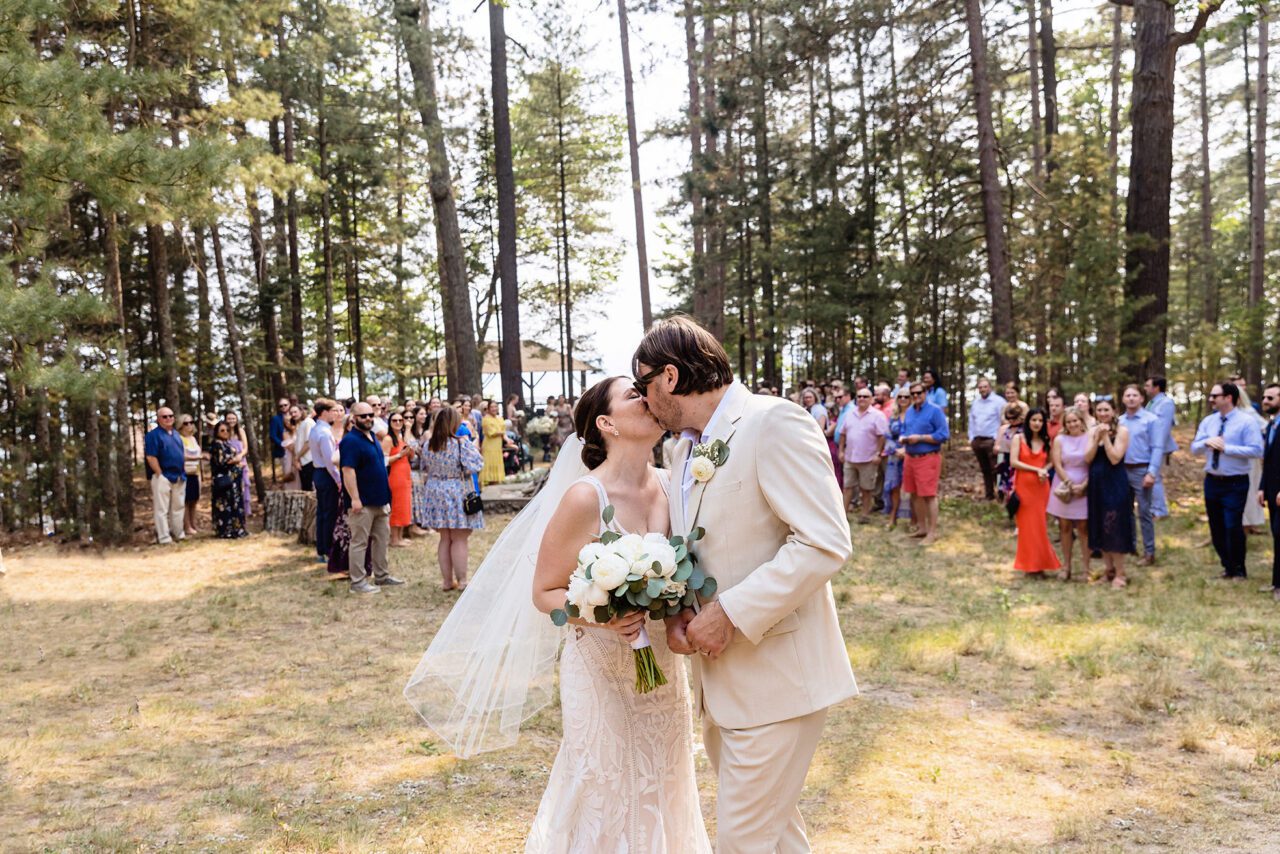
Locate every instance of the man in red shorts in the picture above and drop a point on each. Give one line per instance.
(924, 430)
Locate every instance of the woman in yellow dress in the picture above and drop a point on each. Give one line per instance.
(494, 429)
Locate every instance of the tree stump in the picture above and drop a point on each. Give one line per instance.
(307, 530)
(286, 511)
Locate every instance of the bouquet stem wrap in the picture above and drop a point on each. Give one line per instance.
(648, 674)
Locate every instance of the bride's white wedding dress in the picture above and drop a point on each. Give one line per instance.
(623, 780)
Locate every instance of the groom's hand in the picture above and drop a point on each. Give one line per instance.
(710, 631)
(677, 639)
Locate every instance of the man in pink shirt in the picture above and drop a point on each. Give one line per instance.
(861, 444)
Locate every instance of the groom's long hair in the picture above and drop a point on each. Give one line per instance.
(698, 356)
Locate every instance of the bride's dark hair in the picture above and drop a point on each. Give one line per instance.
(593, 403)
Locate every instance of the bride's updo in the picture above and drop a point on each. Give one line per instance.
(593, 403)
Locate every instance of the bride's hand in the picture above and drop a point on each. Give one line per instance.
(627, 625)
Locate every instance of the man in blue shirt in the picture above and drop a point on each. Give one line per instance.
(924, 430)
(364, 475)
(1142, 463)
(326, 476)
(1161, 406)
(985, 413)
(1229, 440)
(275, 431)
(166, 466)
(933, 392)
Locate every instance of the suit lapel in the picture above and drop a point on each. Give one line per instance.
(723, 430)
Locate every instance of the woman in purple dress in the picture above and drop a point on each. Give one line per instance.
(1068, 502)
(238, 444)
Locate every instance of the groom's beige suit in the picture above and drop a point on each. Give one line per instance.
(776, 533)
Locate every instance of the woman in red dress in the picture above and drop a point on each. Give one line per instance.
(398, 453)
(1029, 456)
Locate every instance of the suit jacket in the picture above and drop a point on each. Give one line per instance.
(1270, 485)
(776, 533)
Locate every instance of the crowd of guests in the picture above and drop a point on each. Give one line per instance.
(1095, 466)
(381, 474)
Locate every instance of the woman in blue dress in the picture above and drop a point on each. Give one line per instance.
(449, 462)
(894, 453)
(1110, 499)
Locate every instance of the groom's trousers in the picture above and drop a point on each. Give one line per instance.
(761, 773)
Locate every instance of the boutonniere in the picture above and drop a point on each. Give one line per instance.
(708, 457)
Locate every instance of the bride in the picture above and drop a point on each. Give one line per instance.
(623, 779)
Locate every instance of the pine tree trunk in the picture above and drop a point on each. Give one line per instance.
(714, 230)
(326, 245)
(237, 362)
(633, 148)
(562, 157)
(1003, 344)
(1113, 122)
(462, 360)
(297, 333)
(1145, 328)
(764, 199)
(351, 278)
(158, 272)
(1033, 73)
(204, 328)
(94, 511)
(510, 358)
(1258, 210)
(701, 304)
(280, 271)
(274, 373)
(1049, 73)
(1208, 278)
(118, 486)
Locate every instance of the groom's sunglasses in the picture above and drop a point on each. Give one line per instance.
(642, 383)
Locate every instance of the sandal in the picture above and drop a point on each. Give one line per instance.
(1119, 582)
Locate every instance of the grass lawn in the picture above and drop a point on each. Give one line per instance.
(224, 696)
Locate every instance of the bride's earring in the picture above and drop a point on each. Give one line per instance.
(616, 434)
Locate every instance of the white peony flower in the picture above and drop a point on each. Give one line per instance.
(702, 469)
(590, 552)
(644, 567)
(609, 572)
(664, 555)
(629, 547)
(592, 597)
(654, 538)
(578, 587)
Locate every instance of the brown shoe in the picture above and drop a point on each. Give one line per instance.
(1147, 560)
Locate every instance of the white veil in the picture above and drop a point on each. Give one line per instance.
(492, 664)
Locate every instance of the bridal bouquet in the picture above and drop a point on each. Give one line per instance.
(621, 573)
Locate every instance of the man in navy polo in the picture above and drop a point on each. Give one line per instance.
(364, 474)
(166, 466)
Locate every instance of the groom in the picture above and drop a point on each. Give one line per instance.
(771, 657)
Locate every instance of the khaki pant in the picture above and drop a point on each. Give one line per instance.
(370, 529)
(761, 773)
(168, 501)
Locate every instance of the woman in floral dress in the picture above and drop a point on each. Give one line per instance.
(449, 463)
(226, 463)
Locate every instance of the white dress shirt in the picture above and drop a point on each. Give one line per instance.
(686, 477)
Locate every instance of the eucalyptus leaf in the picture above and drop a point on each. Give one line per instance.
(559, 616)
(697, 534)
(697, 578)
(573, 611)
(676, 540)
(682, 552)
(607, 515)
(610, 537)
(689, 598)
(601, 613)
(708, 587)
(643, 600)
(683, 571)
(656, 586)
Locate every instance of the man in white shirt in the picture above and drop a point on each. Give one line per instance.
(302, 451)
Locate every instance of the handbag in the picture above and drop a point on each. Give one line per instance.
(1064, 491)
(472, 503)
